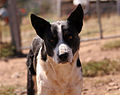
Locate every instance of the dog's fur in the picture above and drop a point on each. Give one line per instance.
(53, 62)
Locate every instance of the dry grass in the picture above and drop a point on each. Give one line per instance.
(110, 26)
(111, 45)
(99, 68)
(7, 50)
(12, 90)
(7, 90)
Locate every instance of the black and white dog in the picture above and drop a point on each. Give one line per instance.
(53, 62)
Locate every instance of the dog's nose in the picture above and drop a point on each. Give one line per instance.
(63, 57)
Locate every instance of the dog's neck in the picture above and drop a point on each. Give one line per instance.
(63, 71)
(52, 75)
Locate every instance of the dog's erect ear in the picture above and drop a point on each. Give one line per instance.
(76, 18)
(40, 25)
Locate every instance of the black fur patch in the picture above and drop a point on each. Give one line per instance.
(43, 53)
(30, 62)
(76, 18)
(30, 84)
(78, 63)
(51, 40)
(40, 25)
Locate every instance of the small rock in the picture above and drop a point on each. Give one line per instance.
(109, 88)
(85, 89)
(84, 93)
(112, 84)
(113, 88)
(89, 51)
(20, 92)
(16, 75)
(88, 59)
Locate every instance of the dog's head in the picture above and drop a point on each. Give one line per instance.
(61, 37)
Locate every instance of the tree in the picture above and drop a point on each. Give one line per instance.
(14, 24)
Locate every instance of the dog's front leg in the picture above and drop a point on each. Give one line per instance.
(31, 84)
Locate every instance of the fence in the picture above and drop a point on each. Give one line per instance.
(100, 22)
(100, 25)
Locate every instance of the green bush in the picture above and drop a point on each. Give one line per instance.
(99, 68)
(7, 50)
(111, 45)
(7, 90)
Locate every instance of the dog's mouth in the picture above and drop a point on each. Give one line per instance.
(63, 62)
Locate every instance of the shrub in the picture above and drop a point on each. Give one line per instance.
(98, 68)
(111, 45)
(7, 90)
(7, 50)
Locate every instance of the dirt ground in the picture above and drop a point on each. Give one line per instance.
(13, 71)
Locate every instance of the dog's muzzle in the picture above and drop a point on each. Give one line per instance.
(63, 57)
(63, 53)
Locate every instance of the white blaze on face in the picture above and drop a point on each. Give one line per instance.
(61, 47)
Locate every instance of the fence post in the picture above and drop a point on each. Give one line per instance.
(118, 7)
(58, 8)
(0, 33)
(14, 24)
(99, 17)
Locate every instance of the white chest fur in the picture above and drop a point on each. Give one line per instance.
(58, 79)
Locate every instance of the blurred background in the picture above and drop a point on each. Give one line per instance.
(100, 42)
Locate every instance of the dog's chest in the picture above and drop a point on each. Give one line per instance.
(62, 79)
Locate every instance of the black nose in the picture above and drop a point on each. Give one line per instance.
(63, 57)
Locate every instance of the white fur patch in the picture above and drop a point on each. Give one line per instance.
(63, 48)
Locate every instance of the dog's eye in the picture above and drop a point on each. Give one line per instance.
(70, 37)
(51, 40)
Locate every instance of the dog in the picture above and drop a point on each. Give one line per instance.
(53, 63)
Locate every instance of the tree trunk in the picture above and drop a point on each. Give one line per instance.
(14, 24)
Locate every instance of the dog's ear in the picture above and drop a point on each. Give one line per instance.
(76, 18)
(40, 25)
